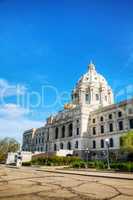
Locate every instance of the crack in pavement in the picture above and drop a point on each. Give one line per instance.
(77, 195)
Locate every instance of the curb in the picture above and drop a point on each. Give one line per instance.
(91, 175)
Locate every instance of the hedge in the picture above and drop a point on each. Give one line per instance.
(117, 166)
(76, 162)
(26, 163)
(54, 160)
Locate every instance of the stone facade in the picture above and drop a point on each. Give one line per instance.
(86, 122)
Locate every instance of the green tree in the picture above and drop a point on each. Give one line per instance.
(8, 145)
(126, 142)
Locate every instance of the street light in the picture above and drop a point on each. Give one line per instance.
(107, 145)
(87, 153)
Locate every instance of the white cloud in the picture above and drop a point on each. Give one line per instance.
(8, 89)
(12, 111)
(14, 121)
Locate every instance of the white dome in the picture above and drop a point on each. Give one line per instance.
(92, 77)
(94, 87)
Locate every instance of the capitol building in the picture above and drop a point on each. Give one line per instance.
(85, 123)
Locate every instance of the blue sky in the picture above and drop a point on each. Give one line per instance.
(50, 43)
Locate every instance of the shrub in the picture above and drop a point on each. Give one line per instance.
(123, 166)
(78, 164)
(38, 161)
(54, 160)
(100, 164)
(91, 164)
(130, 157)
(26, 163)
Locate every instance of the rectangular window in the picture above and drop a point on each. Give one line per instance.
(131, 123)
(121, 125)
(111, 127)
(94, 130)
(119, 114)
(102, 143)
(94, 144)
(77, 131)
(102, 129)
(42, 140)
(46, 147)
(101, 118)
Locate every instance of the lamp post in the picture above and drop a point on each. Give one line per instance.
(87, 150)
(87, 154)
(107, 146)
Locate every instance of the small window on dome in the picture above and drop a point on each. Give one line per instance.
(87, 98)
(130, 111)
(105, 98)
(97, 97)
(101, 118)
(94, 120)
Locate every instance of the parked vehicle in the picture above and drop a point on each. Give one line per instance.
(15, 158)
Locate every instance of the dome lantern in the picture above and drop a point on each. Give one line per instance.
(91, 66)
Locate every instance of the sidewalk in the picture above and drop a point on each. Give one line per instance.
(89, 172)
(2, 171)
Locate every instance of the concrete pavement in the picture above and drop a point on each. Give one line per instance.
(28, 183)
(89, 172)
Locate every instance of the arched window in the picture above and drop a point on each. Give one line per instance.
(70, 130)
(56, 133)
(110, 116)
(63, 131)
(119, 114)
(111, 142)
(61, 145)
(102, 143)
(93, 120)
(76, 145)
(69, 145)
(55, 148)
